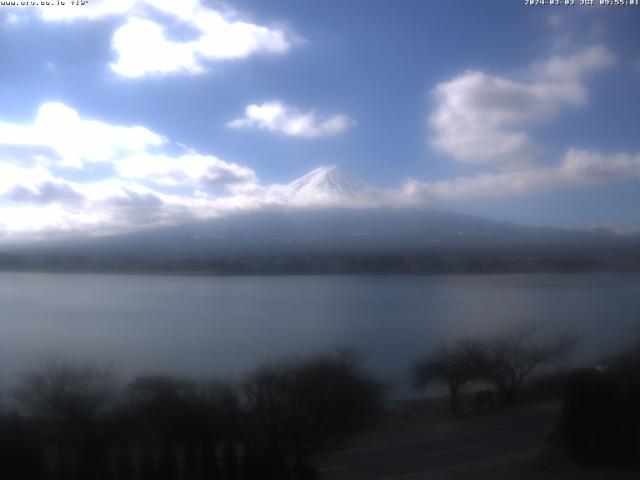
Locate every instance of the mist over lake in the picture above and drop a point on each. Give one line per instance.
(225, 326)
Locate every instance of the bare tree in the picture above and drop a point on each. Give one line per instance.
(297, 406)
(74, 396)
(72, 393)
(510, 358)
(453, 365)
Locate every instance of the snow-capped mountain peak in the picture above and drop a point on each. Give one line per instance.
(331, 181)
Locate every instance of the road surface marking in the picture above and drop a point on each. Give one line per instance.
(454, 450)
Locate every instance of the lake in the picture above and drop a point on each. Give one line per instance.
(225, 326)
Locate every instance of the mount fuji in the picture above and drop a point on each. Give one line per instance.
(333, 185)
(323, 218)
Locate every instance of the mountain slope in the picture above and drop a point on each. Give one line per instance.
(340, 230)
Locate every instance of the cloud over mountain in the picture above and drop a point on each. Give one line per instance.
(146, 179)
(578, 168)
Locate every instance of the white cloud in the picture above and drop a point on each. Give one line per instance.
(569, 32)
(34, 221)
(143, 46)
(144, 43)
(578, 168)
(192, 169)
(44, 193)
(103, 207)
(277, 117)
(99, 9)
(145, 185)
(572, 68)
(93, 10)
(480, 118)
(76, 141)
(12, 175)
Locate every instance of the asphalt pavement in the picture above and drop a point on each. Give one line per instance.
(478, 442)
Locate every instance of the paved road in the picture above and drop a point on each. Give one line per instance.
(499, 439)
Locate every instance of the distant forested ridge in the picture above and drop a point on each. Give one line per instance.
(323, 264)
(400, 241)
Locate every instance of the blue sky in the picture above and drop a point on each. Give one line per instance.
(129, 114)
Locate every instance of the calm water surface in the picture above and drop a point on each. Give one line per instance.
(213, 326)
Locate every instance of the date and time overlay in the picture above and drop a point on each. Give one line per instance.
(565, 3)
(583, 3)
